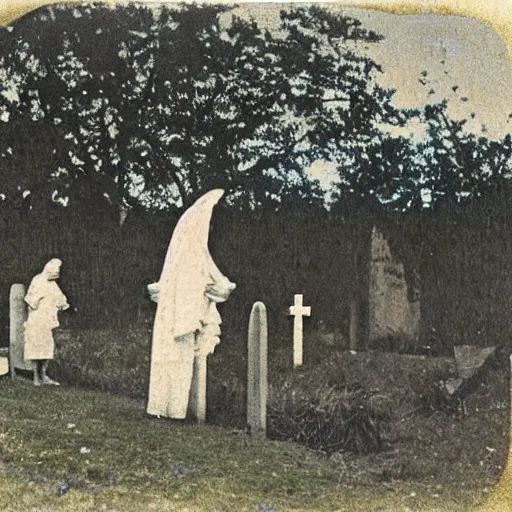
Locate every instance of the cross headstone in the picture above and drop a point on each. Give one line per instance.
(257, 371)
(298, 311)
(17, 317)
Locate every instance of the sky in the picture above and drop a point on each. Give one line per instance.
(453, 50)
(476, 59)
(474, 55)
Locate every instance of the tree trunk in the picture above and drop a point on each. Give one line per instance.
(354, 302)
(354, 321)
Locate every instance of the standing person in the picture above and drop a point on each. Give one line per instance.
(45, 300)
(187, 323)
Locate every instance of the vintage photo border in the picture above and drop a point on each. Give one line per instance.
(495, 13)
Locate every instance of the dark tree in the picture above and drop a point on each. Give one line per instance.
(150, 107)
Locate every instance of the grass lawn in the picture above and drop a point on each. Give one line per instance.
(117, 458)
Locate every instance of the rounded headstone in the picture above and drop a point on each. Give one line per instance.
(17, 318)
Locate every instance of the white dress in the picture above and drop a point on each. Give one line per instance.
(45, 300)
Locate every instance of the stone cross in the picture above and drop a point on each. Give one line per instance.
(298, 311)
(17, 317)
(257, 371)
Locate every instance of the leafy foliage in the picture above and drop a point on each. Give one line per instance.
(143, 108)
(453, 163)
(151, 106)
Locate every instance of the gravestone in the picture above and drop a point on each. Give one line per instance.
(471, 362)
(17, 318)
(469, 359)
(393, 304)
(257, 371)
(197, 400)
(298, 311)
(4, 361)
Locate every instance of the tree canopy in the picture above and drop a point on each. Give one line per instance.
(149, 106)
(138, 107)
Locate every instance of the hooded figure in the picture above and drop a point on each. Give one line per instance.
(45, 300)
(187, 323)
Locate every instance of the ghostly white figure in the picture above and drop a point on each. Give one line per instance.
(45, 300)
(187, 323)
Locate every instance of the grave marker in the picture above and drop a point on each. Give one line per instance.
(394, 304)
(197, 401)
(298, 311)
(257, 371)
(17, 318)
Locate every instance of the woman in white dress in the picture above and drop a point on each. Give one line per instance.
(45, 300)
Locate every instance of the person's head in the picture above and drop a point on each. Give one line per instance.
(194, 224)
(52, 269)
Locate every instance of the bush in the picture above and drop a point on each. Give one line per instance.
(324, 417)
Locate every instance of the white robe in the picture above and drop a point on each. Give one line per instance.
(45, 300)
(187, 321)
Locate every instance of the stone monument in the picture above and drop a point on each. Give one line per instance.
(17, 319)
(298, 311)
(394, 306)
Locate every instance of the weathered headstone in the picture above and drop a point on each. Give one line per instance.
(469, 359)
(298, 311)
(394, 305)
(257, 371)
(17, 318)
(470, 362)
(4, 361)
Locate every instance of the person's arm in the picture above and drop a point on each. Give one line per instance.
(154, 289)
(220, 286)
(33, 296)
(57, 297)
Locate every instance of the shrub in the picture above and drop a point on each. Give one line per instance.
(324, 417)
